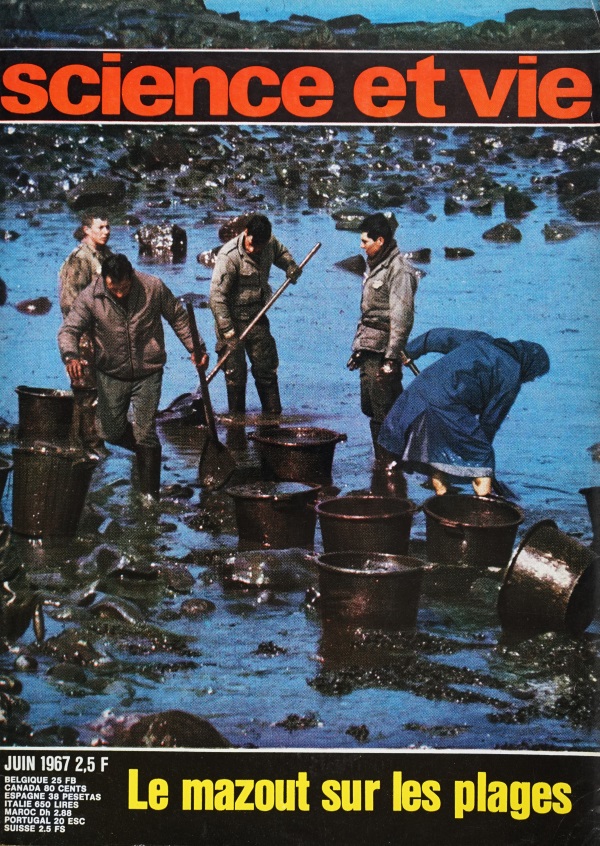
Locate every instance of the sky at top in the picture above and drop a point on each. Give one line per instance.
(391, 11)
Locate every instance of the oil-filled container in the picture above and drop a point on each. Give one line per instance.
(476, 530)
(366, 523)
(275, 515)
(50, 486)
(297, 453)
(371, 589)
(45, 414)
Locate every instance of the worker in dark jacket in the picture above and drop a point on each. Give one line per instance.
(123, 310)
(387, 314)
(238, 291)
(444, 423)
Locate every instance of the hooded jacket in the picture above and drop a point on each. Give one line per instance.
(448, 416)
(129, 342)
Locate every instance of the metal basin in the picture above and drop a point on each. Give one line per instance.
(366, 523)
(45, 414)
(297, 453)
(275, 515)
(50, 486)
(370, 589)
(550, 584)
(464, 529)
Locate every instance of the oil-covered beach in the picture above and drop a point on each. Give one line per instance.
(155, 609)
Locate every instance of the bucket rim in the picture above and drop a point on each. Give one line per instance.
(327, 436)
(393, 512)
(235, 491)
(419, 566)
(54, 451)
(518, 512)
(58, 393)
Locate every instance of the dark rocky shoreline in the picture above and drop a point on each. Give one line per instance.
(68, 23)
(224, 169)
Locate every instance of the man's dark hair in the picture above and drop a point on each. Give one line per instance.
(117, 267)
(87, 219)
(259, 227)
(377, 226)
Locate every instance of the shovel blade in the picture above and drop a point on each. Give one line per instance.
(187, 409)
(216, 465)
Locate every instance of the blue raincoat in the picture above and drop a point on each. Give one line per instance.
(446, 419)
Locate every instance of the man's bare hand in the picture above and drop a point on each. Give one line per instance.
(75, 368)
(203, 363)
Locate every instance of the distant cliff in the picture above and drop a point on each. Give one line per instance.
(585, 16)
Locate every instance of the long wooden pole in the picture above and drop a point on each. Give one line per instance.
(260, 314)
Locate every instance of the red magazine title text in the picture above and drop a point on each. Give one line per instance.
(288, 86)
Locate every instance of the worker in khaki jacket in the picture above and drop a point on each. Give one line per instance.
(78, 270)
(239, 289)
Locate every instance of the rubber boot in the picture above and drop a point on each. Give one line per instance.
(236, 398)
(128, 440)
(148, 466)
(387, 479)
(381, 454)
(375, 429)
(269, 398)
(88, 430)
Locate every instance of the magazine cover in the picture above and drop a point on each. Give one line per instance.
(299, 422)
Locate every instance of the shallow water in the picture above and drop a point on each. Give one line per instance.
(381, 11)
(458, 680)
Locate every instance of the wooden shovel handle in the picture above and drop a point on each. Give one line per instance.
(260, 314)
(199, 351)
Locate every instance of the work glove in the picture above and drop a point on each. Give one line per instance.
(230, 340)
(389, 367)
(354, 360)
(294, 273)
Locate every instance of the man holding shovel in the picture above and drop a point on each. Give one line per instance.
(122, 311)
(80, 267)
(238, 291)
